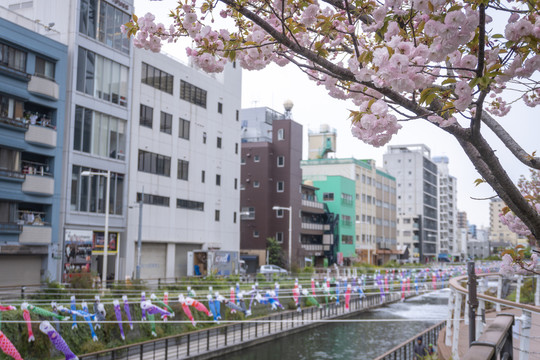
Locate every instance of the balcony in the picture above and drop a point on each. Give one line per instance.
(313, 206)
(38, 184)
(10, 228)
(312, 226)
(43, 87)
(315, 247)
(36, 234)
(11, 175)
(16, 124)
(42, 135)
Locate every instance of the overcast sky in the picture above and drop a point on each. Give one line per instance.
(313, 107)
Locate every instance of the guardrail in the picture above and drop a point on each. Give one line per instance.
(496, 342)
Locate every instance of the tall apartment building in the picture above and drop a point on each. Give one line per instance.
(463, 234)
(449, 244)
(271, 178)
(32, 105)
(185, 163)
(417, 203)
(374, 195)
(98, 106)
(499, 234)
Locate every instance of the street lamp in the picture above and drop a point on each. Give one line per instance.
(289, 209)
(106, 234)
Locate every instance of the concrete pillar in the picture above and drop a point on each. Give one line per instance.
(525, 333)
(499, 292)
(455, 332)
(518, 289)
(171, 254)
(448, 338)
(537, 292)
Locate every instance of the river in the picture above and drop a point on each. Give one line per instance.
(386, 327)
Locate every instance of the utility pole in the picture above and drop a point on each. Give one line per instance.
(139, 240)
(473, 301)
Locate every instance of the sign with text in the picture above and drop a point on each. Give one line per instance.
(98, 241)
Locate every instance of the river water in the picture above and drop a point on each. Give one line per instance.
(386, 328)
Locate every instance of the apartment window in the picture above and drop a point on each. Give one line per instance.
(183, 129)
(347, 239)
(242, 161)
(216, 215)
(102, 78)
(218, 180)
(203, 175)
(237, 115)
(220, 108)
(99, 134)
(218, 142)
(44, 68)
(88, 192)
(327, 196)
(235, 183)
(256, 184)
(234, 217)
(166, 123)
(192, 94)
(153, 199)
(279, 213)
(12, 58)
(11, 108)
(183, 169)
(154, 163)
(104, 24)
(157, 78)
(204, 137)
(146, 116)
(248, 213)
(256, 158)
(281, 161)
(236, 148)
(189, 205)
(255, 234)
(279, 237)
(280, 134)
(280, 186)
(346, 199)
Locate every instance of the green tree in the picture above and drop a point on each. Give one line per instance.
(275, 252)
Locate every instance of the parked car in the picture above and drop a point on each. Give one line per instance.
(272, 269)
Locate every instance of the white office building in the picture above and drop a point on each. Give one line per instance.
(184, 164)
(417, 203)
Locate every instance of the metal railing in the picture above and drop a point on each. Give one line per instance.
(229, 338)
(496, 342)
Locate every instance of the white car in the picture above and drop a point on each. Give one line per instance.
(272, 269)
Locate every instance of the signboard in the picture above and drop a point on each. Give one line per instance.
(340, 258)
(77, 250)
(98, 241)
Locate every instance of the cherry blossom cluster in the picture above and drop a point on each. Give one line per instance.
(509, 265)
(375, 126)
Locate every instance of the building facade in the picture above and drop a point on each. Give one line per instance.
(32, 116)
(184, 164)
(270, 178)
(417, 198)
(499, 233)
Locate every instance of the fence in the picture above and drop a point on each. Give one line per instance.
(218, 340)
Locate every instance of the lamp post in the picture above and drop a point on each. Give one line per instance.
(289, 209)
(106, 233)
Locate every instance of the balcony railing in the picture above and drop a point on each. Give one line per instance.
(7, 173)
(314, 247)
(312, 204)
(312, 226)
(17, 123)
(44, 87)
(36, 234)
(10, 228)
(41, 135)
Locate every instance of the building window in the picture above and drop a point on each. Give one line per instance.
(146, 116)
(281, 161)
(183, 169)
(190, 205)
(99, 134)
(203, 175)
(235, 183)
(216, 215)
(153, 199)
(328, 196)
(256, 184)
(347, 239)
(279, 237)
(102, 78)
(166, 123)
(183, 129)
(237, 115)
(44, 68)
(247, 213)
(154, 163)
(279, 213)
(104, 24)
(156, 78)
(88, 192)
(242, 161)
(280, 186)
(218, 142)
(234, 217)
(236, 148)
(280, 134)
(256, 158)
(255, 234)
(12, 58)
(218, 180)
(192, 94)
(204, 137)
(11, 109)
(220, 108)
(346, 199)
